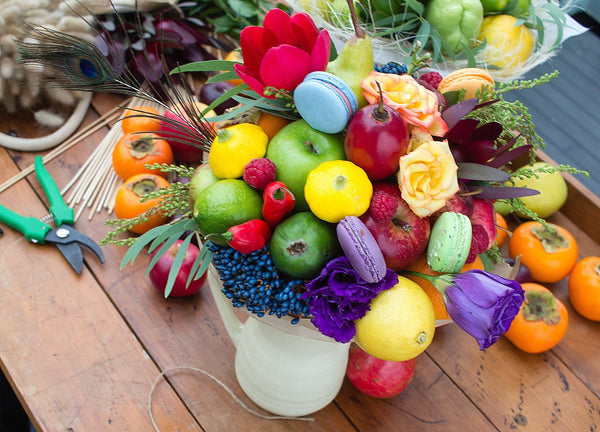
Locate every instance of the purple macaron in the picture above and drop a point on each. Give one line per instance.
(361, 249)
(325, 102)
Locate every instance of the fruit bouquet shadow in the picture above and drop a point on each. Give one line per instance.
(325, 228)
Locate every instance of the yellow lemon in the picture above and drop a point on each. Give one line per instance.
(400, 324)
(234, 147)
(508, 46)
(336, 189)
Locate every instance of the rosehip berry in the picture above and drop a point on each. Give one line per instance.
(258, 173)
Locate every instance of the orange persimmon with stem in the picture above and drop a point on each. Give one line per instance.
(501, 229)
(549, 253)
(129, 204)
(541, 322)
(584, 287)
(134, 150)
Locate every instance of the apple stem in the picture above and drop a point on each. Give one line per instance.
(380, 114)
(358, 30)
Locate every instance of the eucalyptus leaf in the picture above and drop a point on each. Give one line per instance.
(501, 192)
(206, 66)
(173, 230)
(134, 250)
(176, 266)
(160, 252)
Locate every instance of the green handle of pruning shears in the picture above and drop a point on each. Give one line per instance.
(60, 210)
(34, 229)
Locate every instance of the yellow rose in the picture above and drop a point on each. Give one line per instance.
(417, 105)
(427, 177)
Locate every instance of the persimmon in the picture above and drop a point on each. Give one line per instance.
(129, 205)
(541, 322)
(584, 288)
(271, 123)
(549, 254)
(501, 229)
(437, 299)
(134, 150)
(236, 56)
(140, 119)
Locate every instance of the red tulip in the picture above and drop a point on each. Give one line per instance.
(282, 52)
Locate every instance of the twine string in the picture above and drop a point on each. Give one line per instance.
(220, 383)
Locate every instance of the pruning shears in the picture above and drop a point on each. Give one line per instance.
(66, 238)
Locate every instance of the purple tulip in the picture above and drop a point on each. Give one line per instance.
(481, 303)
(282, 52)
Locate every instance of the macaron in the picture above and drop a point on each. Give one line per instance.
(470, 79)
(361, 249)
(449, 242)
(325, 101)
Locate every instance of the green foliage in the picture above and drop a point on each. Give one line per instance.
(229, 17)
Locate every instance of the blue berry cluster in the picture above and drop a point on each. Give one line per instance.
(392, 68)
(251, 280)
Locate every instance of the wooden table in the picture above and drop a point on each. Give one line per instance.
(83, 351)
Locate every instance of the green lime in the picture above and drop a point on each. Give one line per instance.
(302, 244)
(226, 203)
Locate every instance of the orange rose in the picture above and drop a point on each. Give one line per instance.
(417, 105)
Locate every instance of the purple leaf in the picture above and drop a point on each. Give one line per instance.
(462, 130)
(501, 192)
(506, 157)
(473, 171)
(453, 114)
(488, 131)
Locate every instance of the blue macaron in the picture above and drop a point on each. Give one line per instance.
(325, 101)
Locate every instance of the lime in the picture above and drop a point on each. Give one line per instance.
(508, 45)
(400, 324)
(302, 244)
(226, 203)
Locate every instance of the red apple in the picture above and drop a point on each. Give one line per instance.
(375, 139)
(403, 236)
(177, 130)
(378, 378)
(160, 272)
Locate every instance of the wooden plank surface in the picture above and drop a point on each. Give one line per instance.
(83, 351)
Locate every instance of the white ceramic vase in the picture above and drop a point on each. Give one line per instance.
(287, 369)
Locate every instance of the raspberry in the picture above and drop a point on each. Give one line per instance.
(432, 78)
(479, 242)
(258, 173)
(383, 206)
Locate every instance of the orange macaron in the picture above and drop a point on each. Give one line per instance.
(469, 79)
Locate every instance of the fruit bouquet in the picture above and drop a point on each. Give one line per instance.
(339, 192)
(506, 37)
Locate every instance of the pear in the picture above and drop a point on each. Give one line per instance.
(355, 61)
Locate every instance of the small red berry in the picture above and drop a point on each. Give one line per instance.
(479, 242)
(383, 206)
(258, 173)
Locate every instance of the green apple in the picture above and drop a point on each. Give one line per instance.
(296, 150)
(502, 207)
(552, 187)
(202, 178)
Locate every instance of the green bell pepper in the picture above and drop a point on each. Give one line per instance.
(457, 21)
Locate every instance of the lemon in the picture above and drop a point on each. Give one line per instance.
(400, 324)
(508, 46)
(224, 204)
(234, 147)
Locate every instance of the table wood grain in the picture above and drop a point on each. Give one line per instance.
(83, 351)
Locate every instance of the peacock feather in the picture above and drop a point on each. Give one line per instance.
(80, 65)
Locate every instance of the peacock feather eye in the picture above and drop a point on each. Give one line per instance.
(89, 69)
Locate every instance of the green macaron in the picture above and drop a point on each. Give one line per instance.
(449, 243)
